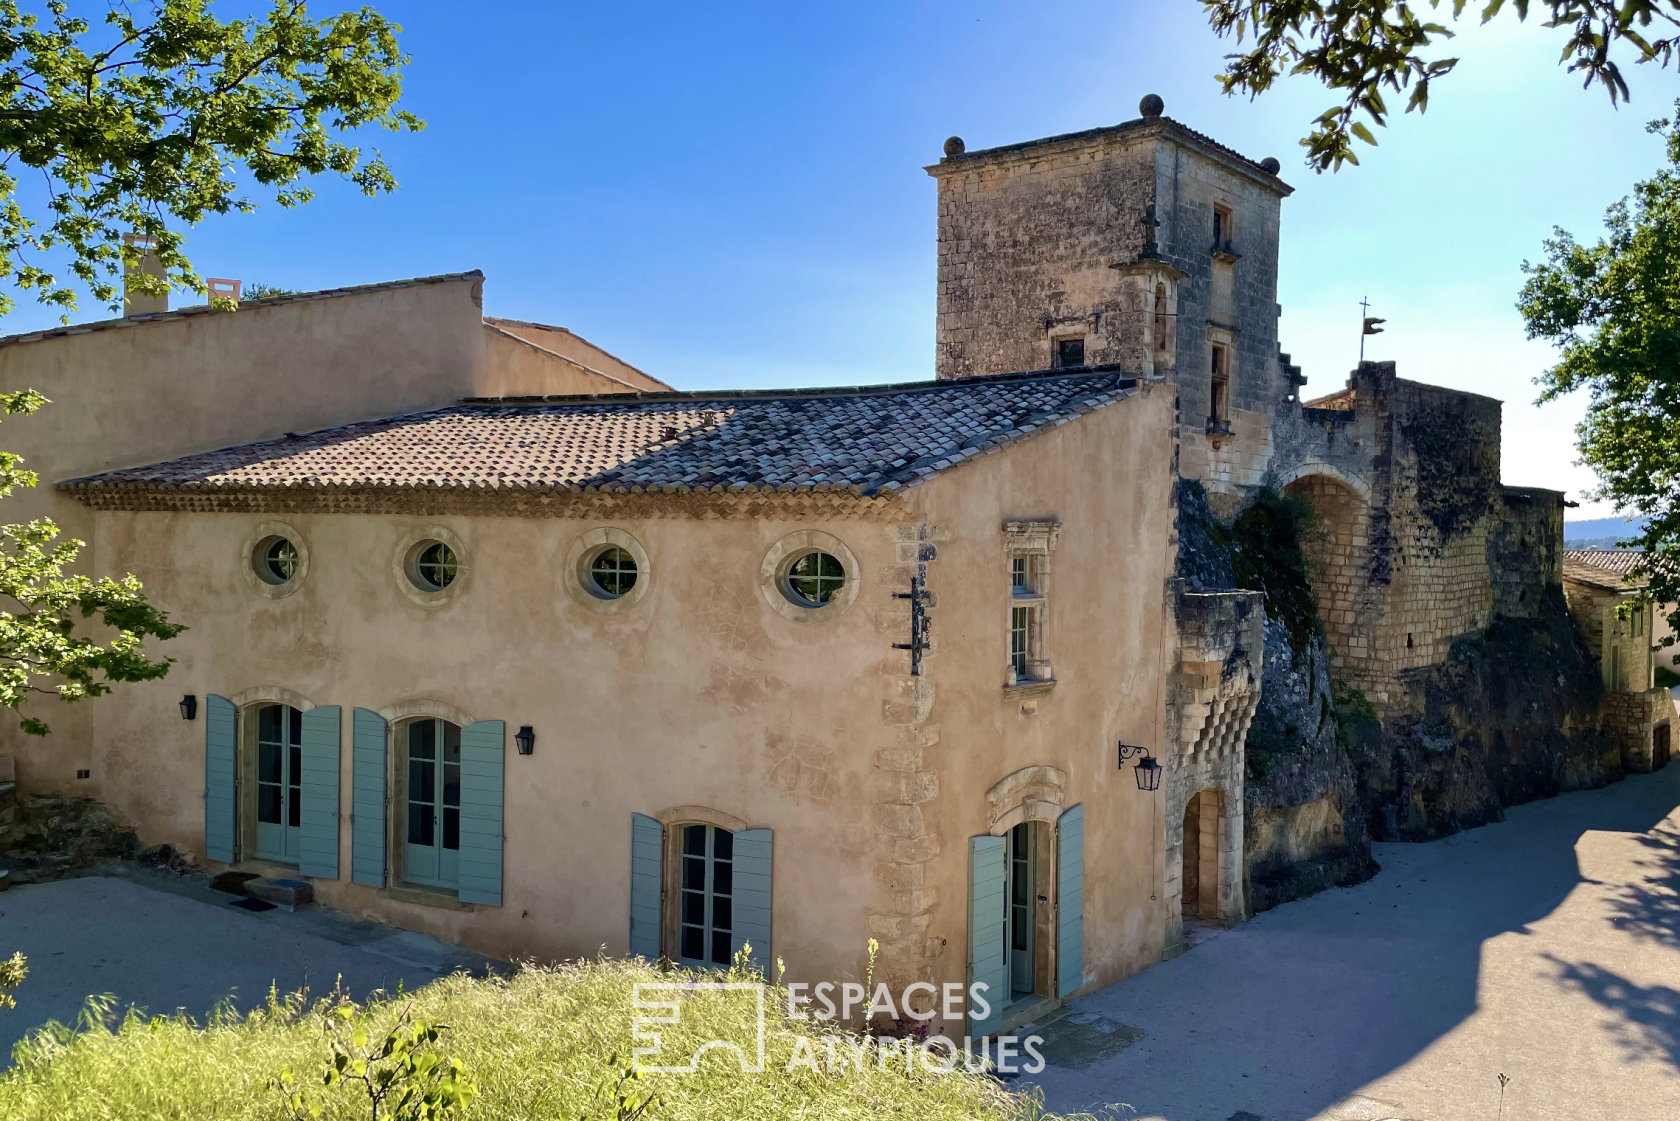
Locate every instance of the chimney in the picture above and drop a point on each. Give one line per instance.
(222, 289)
(138, 303)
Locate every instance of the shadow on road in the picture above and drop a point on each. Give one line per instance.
(1297, 1010)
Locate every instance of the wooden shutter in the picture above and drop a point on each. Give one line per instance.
(1070, 901)
(988, 963)
(221, 755)
(318, 850)
(751, 903)
(647, 885)
(367, 798)
(482, 751)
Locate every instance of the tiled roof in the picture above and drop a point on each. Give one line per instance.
(869, 440)
(206, 309)
(1604, 568)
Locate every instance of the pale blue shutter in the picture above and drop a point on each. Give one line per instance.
(482, 749)
(647, 885)
(751, 880)
(367, 798)
(1070, 901)
(318, 851)
(221, 753)
(987, 960)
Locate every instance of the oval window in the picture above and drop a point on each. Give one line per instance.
(612, 572)
(815, 578)
(435, 566)
(276, 560)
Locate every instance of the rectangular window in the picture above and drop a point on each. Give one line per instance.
(1070, 352)
(1221, 228)
(1029, 546)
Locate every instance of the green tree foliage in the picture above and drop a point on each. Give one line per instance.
(1613, 311)
(148, 117)
(43, 649)
(1370, 50)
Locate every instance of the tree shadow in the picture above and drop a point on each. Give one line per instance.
(1651, 909)
(1648, 1024)
(1400, 955)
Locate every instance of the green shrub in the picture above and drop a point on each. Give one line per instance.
(547, 1042)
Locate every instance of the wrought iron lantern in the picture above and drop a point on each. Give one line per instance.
(526, 739)
(189, 707)
(1147, 771)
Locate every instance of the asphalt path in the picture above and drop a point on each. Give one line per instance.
(1545, 948)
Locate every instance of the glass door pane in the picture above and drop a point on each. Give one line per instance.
(420, 851)
(706, 896)
(279, 783)
(1021, 891)
(449, 840)
(432, 850)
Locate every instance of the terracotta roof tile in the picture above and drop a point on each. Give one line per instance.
(868, 440)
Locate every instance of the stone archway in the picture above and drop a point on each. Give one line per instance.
(1206, 860)
(1338, 560)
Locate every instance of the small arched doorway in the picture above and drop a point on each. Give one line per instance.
(1203, 816)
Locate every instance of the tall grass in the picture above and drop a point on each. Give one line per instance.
(540, 1044)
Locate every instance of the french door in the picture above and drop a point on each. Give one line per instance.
(432, 853)
(279, 783)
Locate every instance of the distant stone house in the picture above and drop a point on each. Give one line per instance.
(1622, 633)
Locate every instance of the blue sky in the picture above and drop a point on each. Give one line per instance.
(733, 195)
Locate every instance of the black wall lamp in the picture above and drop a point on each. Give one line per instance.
(1147, 771)
(526, 739)
(189, 707)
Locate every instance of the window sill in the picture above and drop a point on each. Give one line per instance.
(425, 897)
(1029, 688)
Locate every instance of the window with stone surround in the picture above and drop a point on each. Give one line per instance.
(1070, 353)
(1221, 229)
(1029, 545)
(1219, 390)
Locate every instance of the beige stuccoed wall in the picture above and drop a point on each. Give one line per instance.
(1108, 480)
(124, 395)
(564, 343)
(702, 694)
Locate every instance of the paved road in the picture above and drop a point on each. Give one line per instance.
(1546, 948)
(164, 943)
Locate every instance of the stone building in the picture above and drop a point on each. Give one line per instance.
(1622, 634)
(1149, 248)
(496, 637)
(478, 654)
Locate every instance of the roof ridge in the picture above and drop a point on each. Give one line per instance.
(206, 309)
(869, 444)
(929, 385)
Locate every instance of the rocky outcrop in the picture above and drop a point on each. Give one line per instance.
(1509, 717)
(1306, 826)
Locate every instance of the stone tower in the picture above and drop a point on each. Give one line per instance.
(1145, 246)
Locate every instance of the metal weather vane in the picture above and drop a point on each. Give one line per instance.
(1370, 327)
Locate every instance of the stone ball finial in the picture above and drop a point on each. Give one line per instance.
(954, 146)
(1270, 165)
(1152, 106)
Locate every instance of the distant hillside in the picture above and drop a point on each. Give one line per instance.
(1600, 533)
